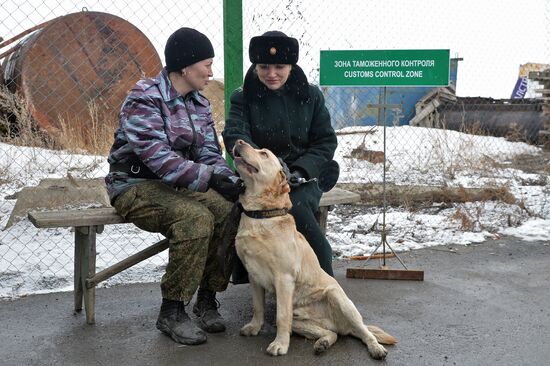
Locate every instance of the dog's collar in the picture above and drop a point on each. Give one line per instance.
(266, 214)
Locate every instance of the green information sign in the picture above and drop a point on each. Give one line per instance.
(385, 68)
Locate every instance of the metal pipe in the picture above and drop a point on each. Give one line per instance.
(23, 34)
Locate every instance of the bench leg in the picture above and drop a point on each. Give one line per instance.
(85, 244)
(78, 283)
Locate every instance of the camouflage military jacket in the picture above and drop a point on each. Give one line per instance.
(172, 135)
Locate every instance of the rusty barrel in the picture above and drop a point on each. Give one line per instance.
(78, 64)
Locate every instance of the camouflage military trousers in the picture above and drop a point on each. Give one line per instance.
(194, 224)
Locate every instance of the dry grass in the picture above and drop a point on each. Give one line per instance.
(473, 129)
(453, 158)
(92, 134)
(466, 221)
(214, 91)
(4, 174)
(515, 133)
(17, 126)
(415, 197)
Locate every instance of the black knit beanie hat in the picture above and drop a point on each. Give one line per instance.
(275, 47)
(185, 47)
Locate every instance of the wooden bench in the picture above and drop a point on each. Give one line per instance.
(89, 222)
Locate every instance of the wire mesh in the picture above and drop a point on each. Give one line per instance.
(470, 134)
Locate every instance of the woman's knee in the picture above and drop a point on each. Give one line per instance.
(190, 225)
(306, 196)
(219, 206)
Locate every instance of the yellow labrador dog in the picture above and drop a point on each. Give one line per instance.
(279, 259)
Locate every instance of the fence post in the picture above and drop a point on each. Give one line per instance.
(232, 53)
(232, 47)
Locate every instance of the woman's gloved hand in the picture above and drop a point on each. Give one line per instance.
(226, 187)
(297, 177)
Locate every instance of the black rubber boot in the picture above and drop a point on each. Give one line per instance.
(206, 308)
(174, 321)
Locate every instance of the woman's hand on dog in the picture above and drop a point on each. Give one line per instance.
(226, 187)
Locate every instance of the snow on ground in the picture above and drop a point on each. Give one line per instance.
(41, 260)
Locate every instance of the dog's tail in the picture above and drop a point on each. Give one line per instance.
(338, 300)
(381, 336)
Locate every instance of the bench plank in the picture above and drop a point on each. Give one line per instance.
(108, 215)
(337, 196)
(75, 217)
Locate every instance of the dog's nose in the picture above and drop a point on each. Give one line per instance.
(239, 142)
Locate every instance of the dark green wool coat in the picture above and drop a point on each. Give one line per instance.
(297, 131)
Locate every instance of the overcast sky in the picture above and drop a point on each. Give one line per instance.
(494, 37)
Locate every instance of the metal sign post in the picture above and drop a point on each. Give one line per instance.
(384, 272)
(385, 68)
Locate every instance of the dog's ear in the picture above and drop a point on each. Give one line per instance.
(283, 182)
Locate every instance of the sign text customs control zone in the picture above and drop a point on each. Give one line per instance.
(385, 68)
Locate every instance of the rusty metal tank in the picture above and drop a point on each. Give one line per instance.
(77, 61)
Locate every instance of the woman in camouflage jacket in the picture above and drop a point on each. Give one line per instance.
(168, 175)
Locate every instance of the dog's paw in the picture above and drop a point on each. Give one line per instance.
(321, 345)
(277, 348)
(377, 351)
(251, 329)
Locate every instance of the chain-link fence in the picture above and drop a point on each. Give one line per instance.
(467, 145)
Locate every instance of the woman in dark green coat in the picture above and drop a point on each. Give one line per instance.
(279, 110)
